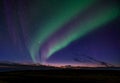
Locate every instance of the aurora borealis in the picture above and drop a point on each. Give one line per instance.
(46, 31)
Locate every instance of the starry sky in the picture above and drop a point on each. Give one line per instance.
(75, 32)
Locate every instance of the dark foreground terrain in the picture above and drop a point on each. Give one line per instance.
(70, 75)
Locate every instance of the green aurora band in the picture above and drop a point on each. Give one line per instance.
(84, 28)
(68, 10)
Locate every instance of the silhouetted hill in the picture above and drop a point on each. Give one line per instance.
(20, 73)
(10, 66)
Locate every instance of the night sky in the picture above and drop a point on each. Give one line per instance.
(74, 32)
